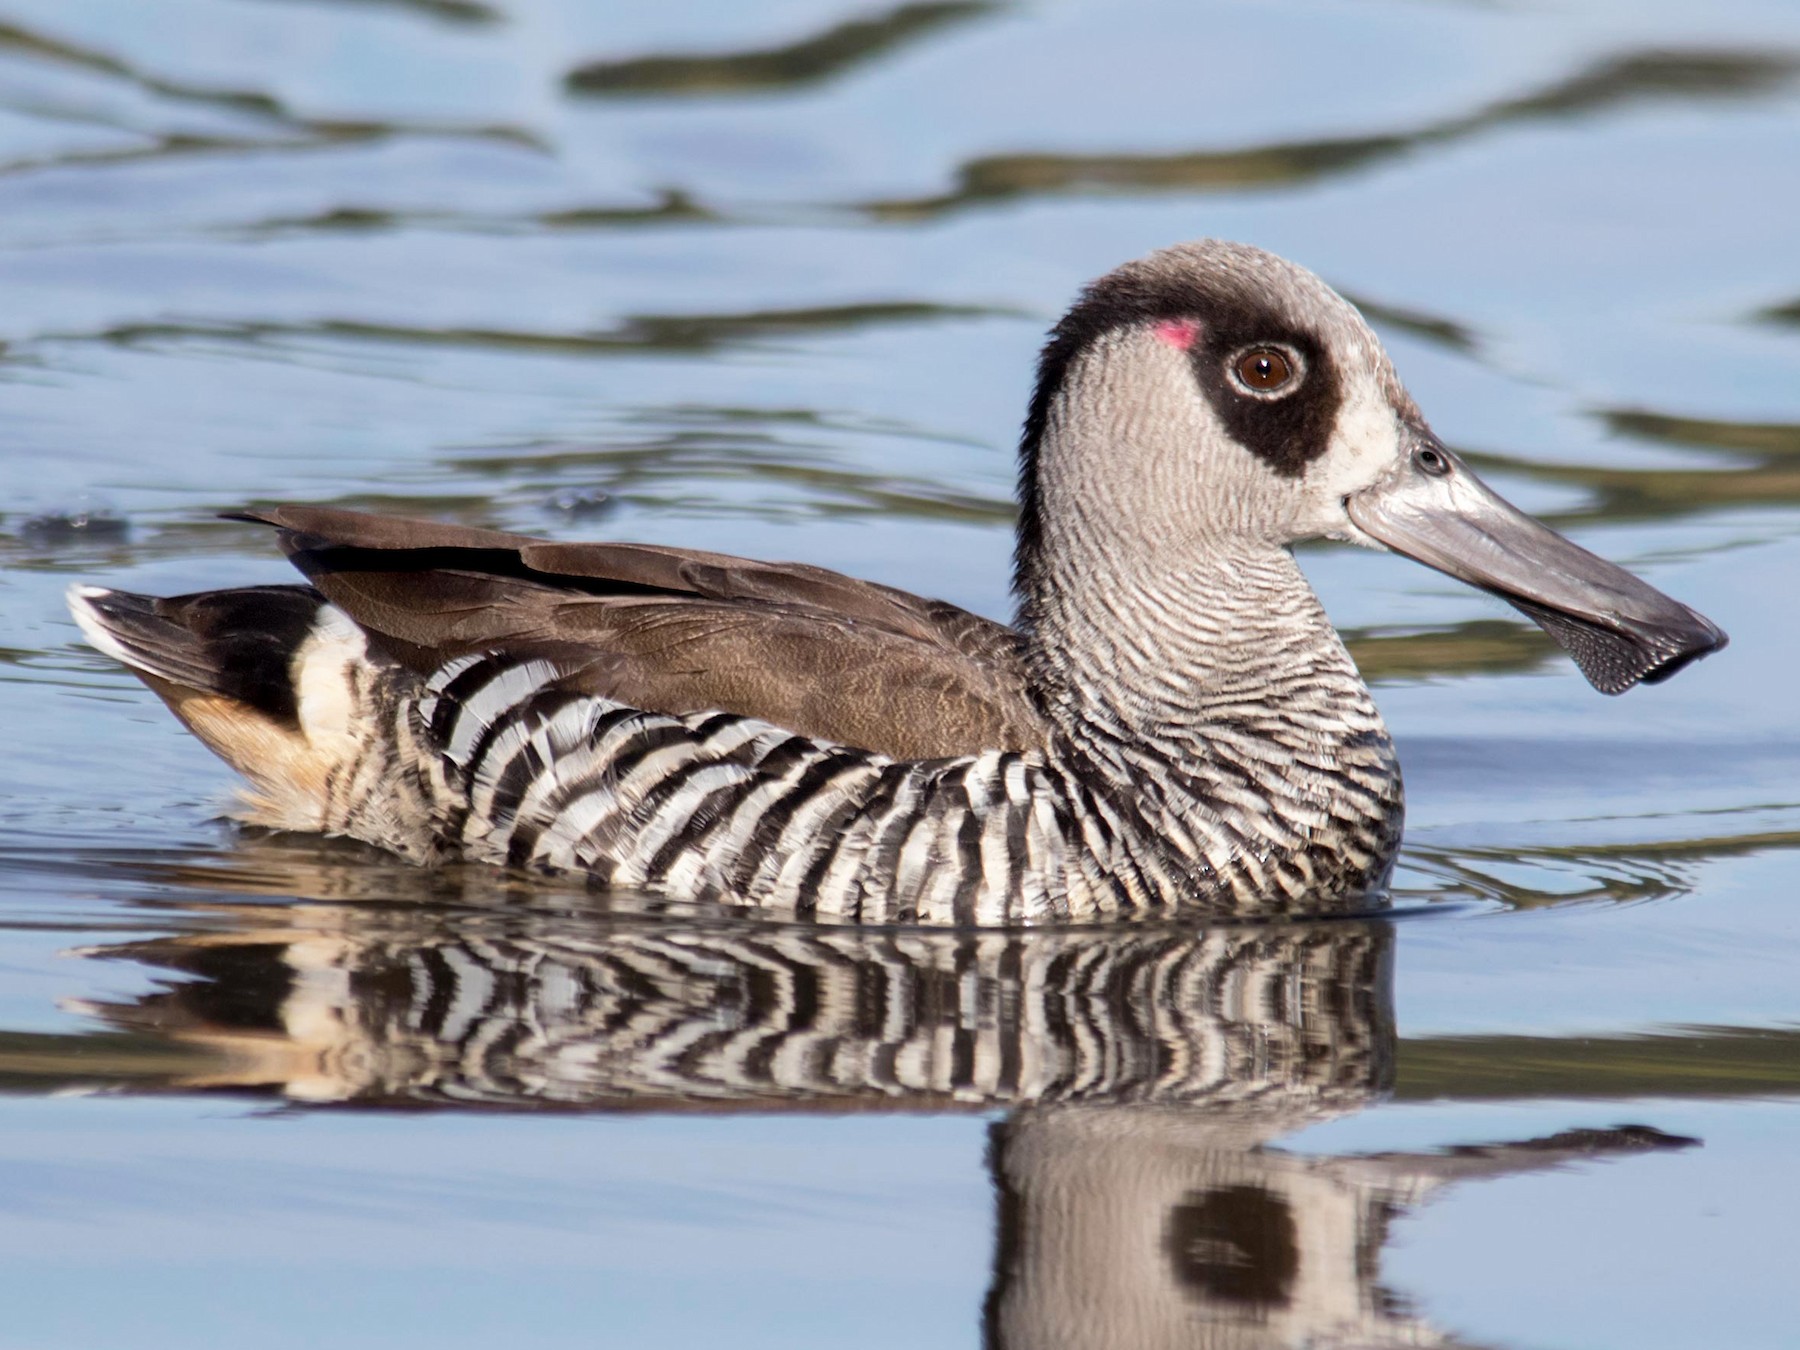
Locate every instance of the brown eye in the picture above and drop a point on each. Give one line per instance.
(1263, 370)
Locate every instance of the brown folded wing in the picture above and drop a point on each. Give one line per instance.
(678, 630)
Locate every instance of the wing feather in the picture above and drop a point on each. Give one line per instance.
(679, 630)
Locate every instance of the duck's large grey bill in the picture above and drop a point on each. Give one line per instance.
(1620, 631)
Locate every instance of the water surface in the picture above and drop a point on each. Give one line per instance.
(769, 279)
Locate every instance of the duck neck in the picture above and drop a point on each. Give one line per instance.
(1209, 688)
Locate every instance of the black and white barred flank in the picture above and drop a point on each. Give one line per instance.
(512, 769)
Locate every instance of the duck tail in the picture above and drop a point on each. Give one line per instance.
(274, 680)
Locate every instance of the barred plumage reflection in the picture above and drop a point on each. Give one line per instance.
(1144, 1077)
(518, 1012)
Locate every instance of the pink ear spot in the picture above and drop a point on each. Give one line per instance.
(1178, 333)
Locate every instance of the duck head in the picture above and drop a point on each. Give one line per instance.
(1212, 398)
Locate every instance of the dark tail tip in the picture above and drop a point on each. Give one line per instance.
(238, 643)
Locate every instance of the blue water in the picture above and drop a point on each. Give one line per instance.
(770, 279)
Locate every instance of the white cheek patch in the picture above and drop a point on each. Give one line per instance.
(1364, 443)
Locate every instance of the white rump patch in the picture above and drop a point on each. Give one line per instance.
(325, 689)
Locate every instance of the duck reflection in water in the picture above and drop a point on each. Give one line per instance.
(1141, 1076)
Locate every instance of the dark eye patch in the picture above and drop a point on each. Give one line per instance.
(1286, 433)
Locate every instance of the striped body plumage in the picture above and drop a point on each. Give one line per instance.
(488, 759)
(1173, 725)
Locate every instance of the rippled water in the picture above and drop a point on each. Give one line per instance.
(769, 279)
